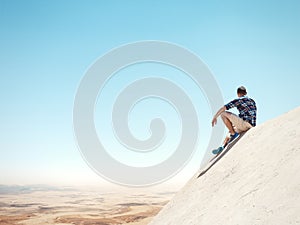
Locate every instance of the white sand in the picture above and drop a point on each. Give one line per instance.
(257, 182)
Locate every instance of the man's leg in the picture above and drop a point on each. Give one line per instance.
(229, 125)
(226, 140)
(239, 124)
(221, 148)
(227, 122)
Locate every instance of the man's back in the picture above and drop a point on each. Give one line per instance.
(246, 107)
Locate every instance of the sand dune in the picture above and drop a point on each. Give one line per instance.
(257, 182)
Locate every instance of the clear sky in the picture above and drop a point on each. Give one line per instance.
(47, 46)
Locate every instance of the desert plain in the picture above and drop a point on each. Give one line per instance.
(36, 205)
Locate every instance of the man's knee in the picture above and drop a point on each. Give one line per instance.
(225, 114)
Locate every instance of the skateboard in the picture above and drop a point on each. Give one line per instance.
(218, 156)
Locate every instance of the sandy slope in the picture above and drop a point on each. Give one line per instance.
(257, 182)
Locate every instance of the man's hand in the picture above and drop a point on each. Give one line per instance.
(214, 121)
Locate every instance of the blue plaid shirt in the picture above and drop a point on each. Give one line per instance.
(246, 107)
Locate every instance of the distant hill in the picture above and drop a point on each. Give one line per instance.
(18, 189)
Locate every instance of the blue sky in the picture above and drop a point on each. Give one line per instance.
(47, 46)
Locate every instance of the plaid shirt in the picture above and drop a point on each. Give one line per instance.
(246, 107)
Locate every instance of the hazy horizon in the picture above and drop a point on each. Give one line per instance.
(48, 46)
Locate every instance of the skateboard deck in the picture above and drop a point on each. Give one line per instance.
(218, 156)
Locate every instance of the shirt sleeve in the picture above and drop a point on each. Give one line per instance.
(231, 104)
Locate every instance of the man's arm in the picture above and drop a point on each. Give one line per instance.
(214, 120)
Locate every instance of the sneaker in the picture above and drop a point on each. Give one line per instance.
(218, 150)
(233, 137)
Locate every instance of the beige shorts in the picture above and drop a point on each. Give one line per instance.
(239, 124)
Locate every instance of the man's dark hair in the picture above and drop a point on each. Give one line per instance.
(242, 90)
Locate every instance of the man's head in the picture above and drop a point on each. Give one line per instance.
(241, 91)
